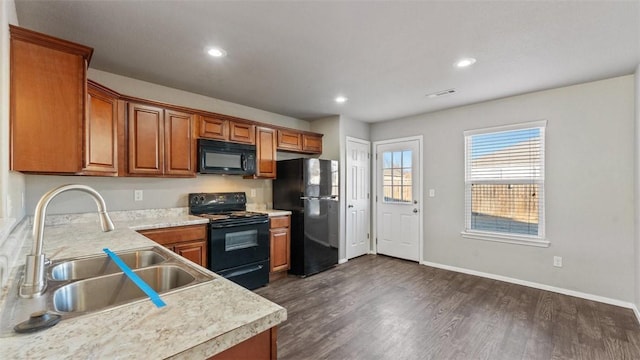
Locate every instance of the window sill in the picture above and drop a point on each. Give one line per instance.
(504, 238)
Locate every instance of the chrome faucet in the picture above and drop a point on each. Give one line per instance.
(34, 282)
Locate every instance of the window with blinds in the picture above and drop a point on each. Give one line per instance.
(504, 180)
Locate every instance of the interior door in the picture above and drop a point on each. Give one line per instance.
(398, 183)
(357, 197)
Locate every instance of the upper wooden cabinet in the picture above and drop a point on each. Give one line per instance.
(160, 141)
(101, 131)
(296, 141)
(48, 88)
(312, 143)
(179, 145)
(289, 140)
(226, 128)
(242, 132)
(213, 127)
(265, 153)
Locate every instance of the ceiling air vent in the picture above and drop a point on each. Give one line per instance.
(441, 93)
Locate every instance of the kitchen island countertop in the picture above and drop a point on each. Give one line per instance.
(197, 322)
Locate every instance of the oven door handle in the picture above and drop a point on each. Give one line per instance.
(243, 271)
(220, 226)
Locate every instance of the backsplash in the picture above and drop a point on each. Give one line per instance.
(158, 193)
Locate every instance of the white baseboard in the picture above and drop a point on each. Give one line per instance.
(558, 290)
(635, 310)
(342, 261)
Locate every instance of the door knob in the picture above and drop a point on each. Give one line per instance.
(415, 211)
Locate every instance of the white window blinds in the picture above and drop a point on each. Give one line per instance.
(504, 180)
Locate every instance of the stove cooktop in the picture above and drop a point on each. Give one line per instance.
(233, 215)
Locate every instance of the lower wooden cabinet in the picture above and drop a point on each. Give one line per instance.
(279, 230)
(260, 347)
(189, 241)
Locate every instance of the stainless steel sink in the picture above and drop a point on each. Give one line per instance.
(102, 265)
(105, 291)
(91, 284)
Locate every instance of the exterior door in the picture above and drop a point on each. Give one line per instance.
(357, 197)
(398, 199)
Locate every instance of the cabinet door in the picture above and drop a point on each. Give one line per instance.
(266, 152)
(279, 249)
(260, 347)
(195, 251)
(242, 132)
(179, 147)
(146, 133)
(213, 128)
(312, 143)
(47, 105)
(101, 132)
(289, 140)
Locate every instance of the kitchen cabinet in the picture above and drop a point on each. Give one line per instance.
(188, 241)
(312, 143)
(47, 102)
(265, 153)
(242, 132)
(226, 128)
(260, 347)
(104, 110)
(160, 141)
(214, 128)
(289, 140)
(297, 141)
(279, 231)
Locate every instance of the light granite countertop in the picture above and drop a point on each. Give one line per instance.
(274, 212)
(197, 322)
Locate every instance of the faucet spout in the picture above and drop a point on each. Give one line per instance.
(34, 282)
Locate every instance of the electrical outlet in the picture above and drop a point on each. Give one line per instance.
(432, 192)
(557, 261)
(253, 193)
(137, 195)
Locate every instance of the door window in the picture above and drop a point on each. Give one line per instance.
(396, 173)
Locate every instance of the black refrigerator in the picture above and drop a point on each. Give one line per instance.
(309, 189)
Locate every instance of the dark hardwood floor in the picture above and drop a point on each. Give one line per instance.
(377, 307)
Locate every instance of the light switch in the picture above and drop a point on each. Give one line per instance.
(432, 192)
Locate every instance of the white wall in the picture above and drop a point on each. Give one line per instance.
(330, 127)
(336, 128)
(158, 192)
(11, 183)
(589, 186)
(147, 90)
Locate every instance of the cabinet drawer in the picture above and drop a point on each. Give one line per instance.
(177, 234)
(279, 222)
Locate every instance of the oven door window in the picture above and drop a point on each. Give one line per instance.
(240, 240)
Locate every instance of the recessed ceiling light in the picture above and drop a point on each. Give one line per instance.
(217, 52)
(465, 62)
(341, 99)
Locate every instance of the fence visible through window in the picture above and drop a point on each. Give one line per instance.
(510, 208)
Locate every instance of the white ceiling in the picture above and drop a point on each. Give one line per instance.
(293, 58)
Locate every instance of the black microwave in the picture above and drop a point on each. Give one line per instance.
(219, 157)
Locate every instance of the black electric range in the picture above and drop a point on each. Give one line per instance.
(238, 246)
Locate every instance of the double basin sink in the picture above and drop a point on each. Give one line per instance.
(95, 283)
(88, 284)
